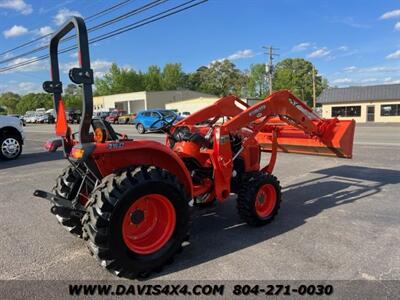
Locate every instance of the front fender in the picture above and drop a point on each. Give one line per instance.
(115, 155)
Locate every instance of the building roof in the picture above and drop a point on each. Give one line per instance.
(360, 93)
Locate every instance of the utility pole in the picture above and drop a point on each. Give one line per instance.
(269, 66)
(313, 88)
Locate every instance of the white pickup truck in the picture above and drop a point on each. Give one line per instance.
(11, 137)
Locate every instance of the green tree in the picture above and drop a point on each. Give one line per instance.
(10, 101)
(73, 96)
(222, 78)
(257, 84)
(32, 101)
(192, 81)
(172, 76)
(295, 74)
(2, 111)
(71, 89)
(119, 80)
(153, 79)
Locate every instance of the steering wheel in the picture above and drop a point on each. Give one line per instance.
(166, 125)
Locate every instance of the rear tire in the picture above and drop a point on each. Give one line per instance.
(112, 213)
(140, 128)
(259, 199)
(67, 186)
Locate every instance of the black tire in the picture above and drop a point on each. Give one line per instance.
(102, 224)
(140, 128)
(10, 146)
(246, 200)
(67, 186)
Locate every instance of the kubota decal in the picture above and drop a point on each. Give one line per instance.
(115, 145)
(257, 111)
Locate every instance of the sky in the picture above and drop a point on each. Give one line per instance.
(350, 42)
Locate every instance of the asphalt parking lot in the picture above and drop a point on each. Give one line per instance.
(340, 219)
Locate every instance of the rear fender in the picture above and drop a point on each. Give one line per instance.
(116, 155)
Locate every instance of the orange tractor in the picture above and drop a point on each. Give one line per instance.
(131, 200)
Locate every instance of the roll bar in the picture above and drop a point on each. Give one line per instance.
(82, 75)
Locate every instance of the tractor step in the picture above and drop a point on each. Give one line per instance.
(61, 206)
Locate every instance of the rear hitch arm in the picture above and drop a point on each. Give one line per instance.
(60, 203)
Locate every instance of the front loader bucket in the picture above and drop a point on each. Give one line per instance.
(336, 139)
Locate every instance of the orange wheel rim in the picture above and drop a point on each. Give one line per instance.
(148, 224)
(265, 200)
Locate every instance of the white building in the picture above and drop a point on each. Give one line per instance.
(134, 102)
(378, 103)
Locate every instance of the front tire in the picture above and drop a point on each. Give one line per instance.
(137, 221)
(259, 199)
(140, 128)
(10, 146)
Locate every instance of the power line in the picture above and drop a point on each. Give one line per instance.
(97, 27)
(90, 18)
(148, 20)
(107, 10)
(128, 14)
(143, 22)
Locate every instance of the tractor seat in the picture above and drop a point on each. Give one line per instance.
(192, 137)
(99, 123)
(198, 139)
(183, 134)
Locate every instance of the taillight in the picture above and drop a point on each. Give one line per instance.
(52, 145)
(77, 153)
(48, 146)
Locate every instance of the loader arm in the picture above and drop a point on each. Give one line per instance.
(224, 107)
(285, 120)
(282, 104)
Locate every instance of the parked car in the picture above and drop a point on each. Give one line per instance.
(39, 118)
(184, 114)
(11, 137)
(73, 116)
(125, 119)
(46, 118)
(19, 117)
(34, 118)
(40, 111)
(114, 115)
(153, 120)
(30, 117)
(101, 114)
